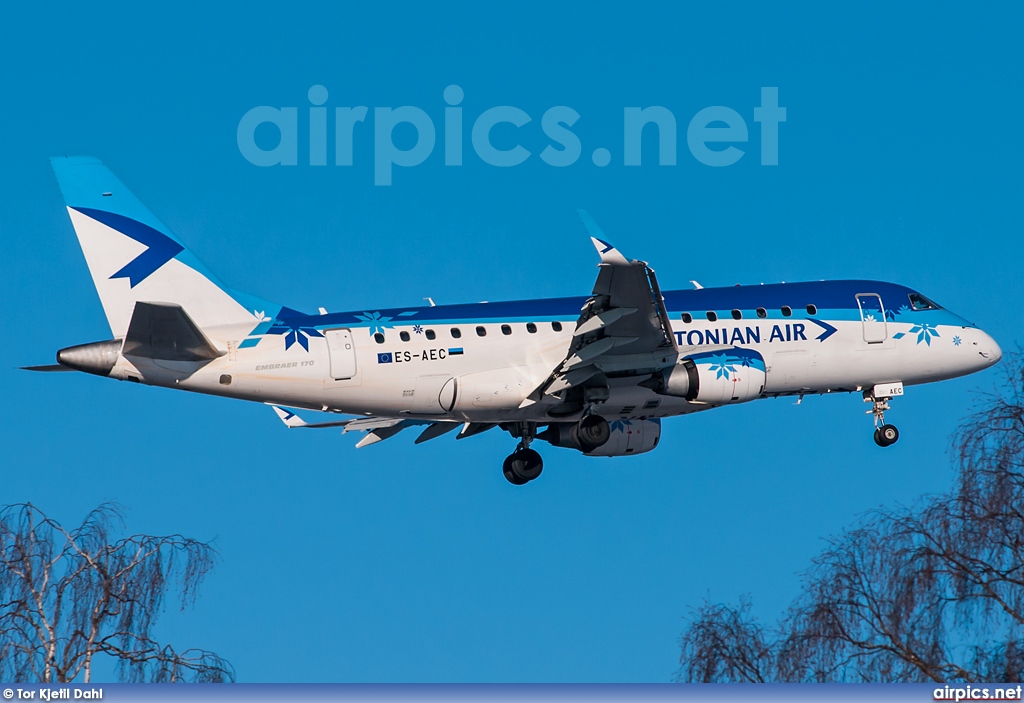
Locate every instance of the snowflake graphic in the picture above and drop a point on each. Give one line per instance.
(904, 309)
(294, 333)
(869, 318)
(924, 333)
(956, 341)
(418, 329)
(377, 322)
(722, 366)
(620, 425)
(890, 315)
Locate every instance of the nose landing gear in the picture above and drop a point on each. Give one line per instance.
(885, 435)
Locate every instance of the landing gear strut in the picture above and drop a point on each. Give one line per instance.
(885, 435)
(524, 464)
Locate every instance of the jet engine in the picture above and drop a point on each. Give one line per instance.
(624, 437)
(732, 375)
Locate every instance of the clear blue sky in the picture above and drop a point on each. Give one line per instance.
(901, 159)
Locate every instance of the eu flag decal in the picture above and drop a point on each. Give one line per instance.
(384, 358)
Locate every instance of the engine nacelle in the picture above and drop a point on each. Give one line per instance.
(732, 375)
(627, 437)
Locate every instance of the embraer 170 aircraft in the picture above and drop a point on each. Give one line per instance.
(596, 374)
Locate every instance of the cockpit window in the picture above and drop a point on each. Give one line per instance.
(919, 302)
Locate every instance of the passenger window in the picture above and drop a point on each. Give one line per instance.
(456, 333)
(787, 311)
(531, 328)
(430, 334)
(404, 336)
(481, 332)
(919, 302)
(737, 315)
(812, 309)
(378, 338)
(506, 330)
(712, 316)
(556, 326)
(762, 313)
(687, 318)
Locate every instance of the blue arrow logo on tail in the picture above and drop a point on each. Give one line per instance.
(829, 330)
(160, 247)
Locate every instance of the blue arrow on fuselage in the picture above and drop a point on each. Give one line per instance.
(828, 330)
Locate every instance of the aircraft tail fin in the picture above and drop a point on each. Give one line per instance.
(134, 258)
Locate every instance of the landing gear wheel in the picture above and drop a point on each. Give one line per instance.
(522, 466)
(886, 435)
(510, 476)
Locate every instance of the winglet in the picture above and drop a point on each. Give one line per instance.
(608, 253)
(289, 418)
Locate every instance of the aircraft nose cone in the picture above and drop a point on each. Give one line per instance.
(994, 352)
(989, 352)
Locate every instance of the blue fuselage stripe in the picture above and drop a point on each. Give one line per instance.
(832, 300)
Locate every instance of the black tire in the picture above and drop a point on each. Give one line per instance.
(888, 434)
(526, 464)
(878, 438)
(510, 475)
(592, 432)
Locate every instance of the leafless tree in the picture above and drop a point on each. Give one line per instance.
(70, 597)
(929, 593)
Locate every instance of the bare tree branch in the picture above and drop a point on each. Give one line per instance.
(66, 596)
(929, 593)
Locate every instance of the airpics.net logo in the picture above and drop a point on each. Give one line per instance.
(715, 136)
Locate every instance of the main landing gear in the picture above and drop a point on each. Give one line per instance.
(885, 435)
(524, 464)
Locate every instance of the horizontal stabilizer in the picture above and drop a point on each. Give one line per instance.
(165, 331)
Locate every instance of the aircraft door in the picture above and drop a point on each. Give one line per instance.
(872, 317)
(342, 353)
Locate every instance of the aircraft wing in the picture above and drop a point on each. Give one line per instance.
(377, 428)
(623, 327)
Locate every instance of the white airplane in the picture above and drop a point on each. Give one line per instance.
(596, 374)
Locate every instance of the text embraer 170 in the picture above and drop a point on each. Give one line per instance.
(596, 374)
